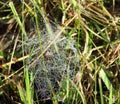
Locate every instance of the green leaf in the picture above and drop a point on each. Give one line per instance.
(74, 3)
(2, 54)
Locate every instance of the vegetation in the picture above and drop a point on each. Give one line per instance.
(94, 26)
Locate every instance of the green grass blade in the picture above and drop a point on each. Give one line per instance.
(21, 93)
(17, 17)
(110, 96)
(101, 92)
(80, 93)
(28, 88)
(74, 3)
(105, 79)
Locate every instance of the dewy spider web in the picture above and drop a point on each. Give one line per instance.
(49, 71)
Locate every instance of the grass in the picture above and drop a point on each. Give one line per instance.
(95, 32)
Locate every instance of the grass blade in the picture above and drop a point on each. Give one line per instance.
(105, 79)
